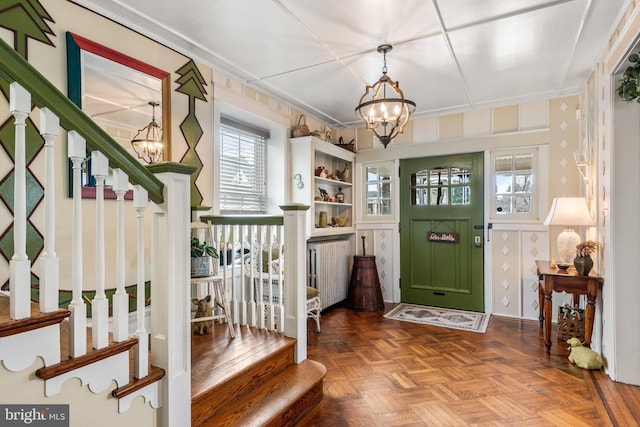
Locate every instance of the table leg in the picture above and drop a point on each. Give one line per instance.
(548, 290)
(540, 304)
(221, 300)
(589, 314)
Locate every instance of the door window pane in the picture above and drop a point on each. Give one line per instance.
(441, 186)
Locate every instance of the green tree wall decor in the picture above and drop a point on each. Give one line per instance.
(27, 19)
(193, 85)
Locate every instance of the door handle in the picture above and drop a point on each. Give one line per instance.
(477, 240)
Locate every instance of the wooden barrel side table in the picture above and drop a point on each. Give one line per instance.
(364, 292)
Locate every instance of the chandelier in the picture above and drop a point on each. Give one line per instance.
(383, 106)
(148, 141)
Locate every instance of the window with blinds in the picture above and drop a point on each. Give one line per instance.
(243, 157)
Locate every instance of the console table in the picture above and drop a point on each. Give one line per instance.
(551, 278)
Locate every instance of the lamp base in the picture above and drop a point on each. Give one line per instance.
(567, 242)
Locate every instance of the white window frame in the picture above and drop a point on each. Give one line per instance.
(361, 189)
(534, 215)
(257, 195)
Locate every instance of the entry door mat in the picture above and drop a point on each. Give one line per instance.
(446, 317)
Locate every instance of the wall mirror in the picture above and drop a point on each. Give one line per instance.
(116, 90)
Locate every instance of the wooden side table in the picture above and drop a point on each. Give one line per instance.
(552, 279)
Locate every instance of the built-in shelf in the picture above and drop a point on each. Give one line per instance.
(308, 156)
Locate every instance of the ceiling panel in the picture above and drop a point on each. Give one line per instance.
(518, 56)
(319, 55)
(349, 27)
(328, 88)
(591, 40)
(457, 13)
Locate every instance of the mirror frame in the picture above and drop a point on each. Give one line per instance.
(75, 44)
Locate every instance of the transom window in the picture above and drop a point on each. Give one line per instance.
(443, 185)
(242, 168)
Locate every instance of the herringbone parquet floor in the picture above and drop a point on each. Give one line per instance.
(382, 372)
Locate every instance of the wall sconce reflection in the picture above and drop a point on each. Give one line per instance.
(297, 178)
(583, 160)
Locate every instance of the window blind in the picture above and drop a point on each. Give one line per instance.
(242, 168)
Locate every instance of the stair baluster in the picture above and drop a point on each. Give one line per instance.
(120, 298)
(49, 275)
(20, 265)
(141, 365)
(78, 320)
(100, 304)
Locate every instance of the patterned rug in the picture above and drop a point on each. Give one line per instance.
(448, 318)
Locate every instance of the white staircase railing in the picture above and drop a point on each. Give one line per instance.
(263, 265)
(175, 214)
(164, 222)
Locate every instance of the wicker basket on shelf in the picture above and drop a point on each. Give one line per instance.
(570, 323)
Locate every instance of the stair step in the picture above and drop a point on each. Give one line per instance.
(93, 356)
(231, 378)
(36, 320)
(155, 374)
(280, 401)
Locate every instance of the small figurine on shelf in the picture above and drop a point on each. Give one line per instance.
(321, 172)
(340, 195)
(323, 194)
(345, 174)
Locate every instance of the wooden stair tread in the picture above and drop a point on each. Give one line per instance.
(37, 320)
(69, 365)
(249, 352)
(238, 380)
(245, 363)
(155, 374)
(281, 400)
(218, 349)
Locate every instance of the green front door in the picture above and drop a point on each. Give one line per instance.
(441, 231)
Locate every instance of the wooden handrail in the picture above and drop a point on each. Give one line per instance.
(14, 68)
(243, 220)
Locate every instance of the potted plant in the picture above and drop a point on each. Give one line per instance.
(201, 255)
(629, 89)
(583, 261)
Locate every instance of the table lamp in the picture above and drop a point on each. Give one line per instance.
(569, 211)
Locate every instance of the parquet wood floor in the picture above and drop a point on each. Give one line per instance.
(383, 372)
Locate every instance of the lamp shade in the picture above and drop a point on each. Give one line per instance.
(568, 212)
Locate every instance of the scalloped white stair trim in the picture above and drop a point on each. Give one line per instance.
(150, 393)
(18, 352)
(98, 375)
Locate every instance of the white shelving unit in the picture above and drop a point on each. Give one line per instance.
(308, 155)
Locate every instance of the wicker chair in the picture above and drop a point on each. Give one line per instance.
(261, 278)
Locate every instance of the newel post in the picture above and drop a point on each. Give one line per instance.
(295, 271)
(170, 326)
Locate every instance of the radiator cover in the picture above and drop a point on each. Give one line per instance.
(328, 270)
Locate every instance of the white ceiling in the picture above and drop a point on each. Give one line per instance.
(449, 55)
